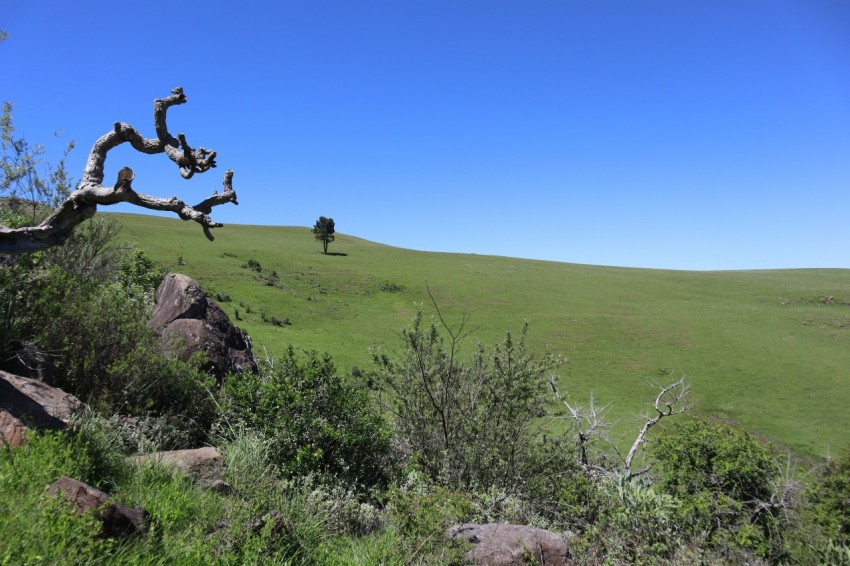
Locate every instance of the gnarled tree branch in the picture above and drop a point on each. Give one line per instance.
(669, 402)
(90, 192)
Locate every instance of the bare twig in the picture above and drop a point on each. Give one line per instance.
(586, 420)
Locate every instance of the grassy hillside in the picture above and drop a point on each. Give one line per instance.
(762, 349)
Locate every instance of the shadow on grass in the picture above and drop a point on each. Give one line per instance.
(336, 253)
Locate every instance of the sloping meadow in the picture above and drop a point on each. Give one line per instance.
(766, 350)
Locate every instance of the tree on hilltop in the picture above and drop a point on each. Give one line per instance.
(324, 231)
(81, 204)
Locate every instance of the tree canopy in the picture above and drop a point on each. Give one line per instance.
(324, 231)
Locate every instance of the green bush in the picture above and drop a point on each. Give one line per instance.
(315, 420)
(472, 423)
(96, 345)
(829, 499)
(723, 481)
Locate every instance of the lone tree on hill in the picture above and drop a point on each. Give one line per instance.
(82, 203)
(324, 231)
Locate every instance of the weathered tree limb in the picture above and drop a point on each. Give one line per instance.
(669, 402)
(587, 422)
(90, 192)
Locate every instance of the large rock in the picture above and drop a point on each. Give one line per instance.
(29, 402)
(116, 519)
(502, 545)
(191, 322)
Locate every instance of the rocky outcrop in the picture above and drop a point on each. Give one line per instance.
(197, 462)
(502, 545)
(116, 519)
(190, 322)
(29, 402)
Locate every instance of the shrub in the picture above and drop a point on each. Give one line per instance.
(472, 423)
(723, 480)
(314, 419)
(93, 334)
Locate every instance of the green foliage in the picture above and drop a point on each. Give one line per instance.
(139, 275)
(313, 418)
(473, 423)
(421, 512)
(640, 522)
(323, 230)
(90, 250)
(828, 500)
(722, 479)
(93, 336)
(32, 187)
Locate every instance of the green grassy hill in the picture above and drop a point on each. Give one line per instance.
(762, 349)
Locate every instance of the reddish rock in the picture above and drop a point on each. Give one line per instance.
(191, 322)
(116, 519)
(198, 462)
(12, 430)
(502, 545)
(33, 403)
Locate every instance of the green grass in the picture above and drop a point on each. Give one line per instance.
(760, 348)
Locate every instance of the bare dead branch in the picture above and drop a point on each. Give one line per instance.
(587, 421)
(669, 402)
(82, 203)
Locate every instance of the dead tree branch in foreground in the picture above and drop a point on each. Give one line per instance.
(90, 192)
(669, 402)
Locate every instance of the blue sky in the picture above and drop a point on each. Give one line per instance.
(662, 134)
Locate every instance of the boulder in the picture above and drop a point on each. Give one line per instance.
(30, 402)
(501, 545)
(190, 322)
(116, 519)
(197, 462)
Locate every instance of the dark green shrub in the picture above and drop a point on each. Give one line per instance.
(723, 480)
(315, 420)
(828, 500)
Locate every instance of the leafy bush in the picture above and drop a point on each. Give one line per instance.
(829, 499)
(314, 419)
(94, 340)
(473, 423)
(724, 481)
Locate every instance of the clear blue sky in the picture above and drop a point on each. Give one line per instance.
(666, 134)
